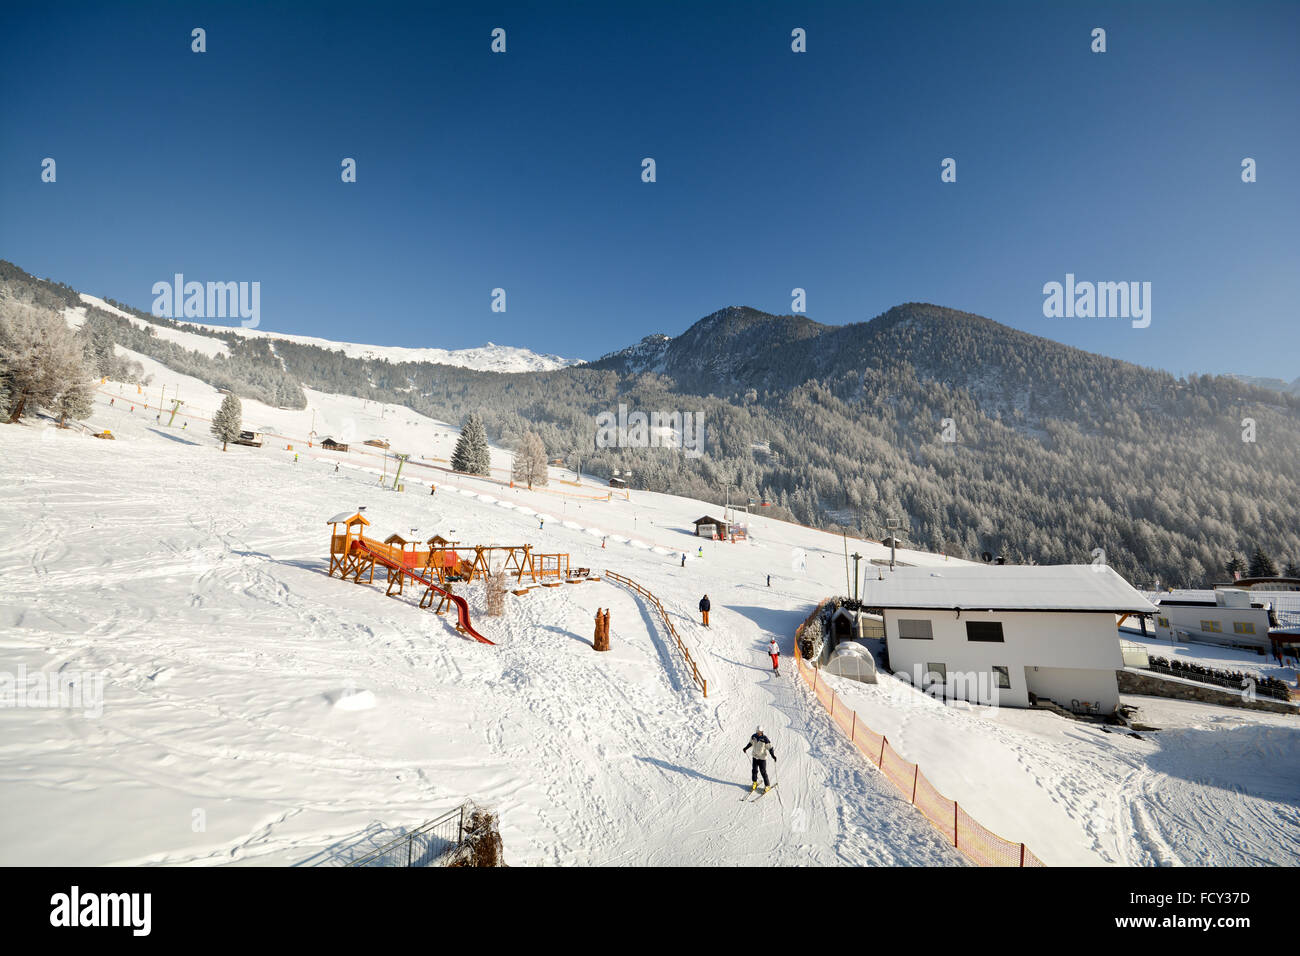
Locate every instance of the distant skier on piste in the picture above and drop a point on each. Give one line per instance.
(775, 653)
(762, 750)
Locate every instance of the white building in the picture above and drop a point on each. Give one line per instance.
(1229, 616)
(991, 634)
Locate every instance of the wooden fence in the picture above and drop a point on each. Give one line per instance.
(681, 646)
(977, 842)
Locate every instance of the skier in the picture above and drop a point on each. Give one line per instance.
(701, 554)
(541, 523)
(769, 580)
(704, 609)
(775, 653)
(295, 457)
(762, 750)
(683, 559)
(112, 401)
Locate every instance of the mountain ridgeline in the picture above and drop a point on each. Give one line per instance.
(978, 436)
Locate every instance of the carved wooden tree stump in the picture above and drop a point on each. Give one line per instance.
(601, 642)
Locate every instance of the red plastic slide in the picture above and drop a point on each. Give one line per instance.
(462, 607)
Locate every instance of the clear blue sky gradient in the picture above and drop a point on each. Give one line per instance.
(775, 170)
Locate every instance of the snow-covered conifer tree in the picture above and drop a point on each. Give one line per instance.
(39, 357)
(471, 454)
(76, 402)
(228, 421)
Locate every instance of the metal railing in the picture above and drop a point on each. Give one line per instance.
(1247, 681)
(426, 845)
(681, 646)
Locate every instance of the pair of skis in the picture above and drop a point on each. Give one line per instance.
(750, 798)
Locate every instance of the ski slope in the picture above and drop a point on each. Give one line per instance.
(257, 711)
(305, 717)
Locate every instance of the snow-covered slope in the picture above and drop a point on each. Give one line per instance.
(489, 357)
(486, 358)
(256, 710)
(203, 344)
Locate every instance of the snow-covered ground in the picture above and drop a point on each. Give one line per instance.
(299, 717)
(1211, 655)
(256, 710)
(488, 357)
(1214, 786)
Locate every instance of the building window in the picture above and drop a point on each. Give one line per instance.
(989, 631)
(1162, 621)
(1243, 627)
(1003, 675)
(936, 674)
(1212, 627)
(915, 630)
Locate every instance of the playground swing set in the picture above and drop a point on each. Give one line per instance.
(439, 565)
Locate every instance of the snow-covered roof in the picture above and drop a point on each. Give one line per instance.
(343, 516)
(1062, 587)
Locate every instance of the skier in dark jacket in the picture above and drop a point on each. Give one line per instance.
(762, 750)
(704, 609)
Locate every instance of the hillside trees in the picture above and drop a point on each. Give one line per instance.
(40, 361)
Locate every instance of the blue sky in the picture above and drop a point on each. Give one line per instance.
(775, 170)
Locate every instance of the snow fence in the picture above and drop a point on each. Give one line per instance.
(696, 676)
(980, 844)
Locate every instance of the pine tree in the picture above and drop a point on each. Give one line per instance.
(471, 455)
(228, 421)
(530, 461)
(77, 402)
(1261, 565)
(1236, 565)
(1292, 570)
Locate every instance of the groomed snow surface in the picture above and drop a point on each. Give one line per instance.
(257, 711)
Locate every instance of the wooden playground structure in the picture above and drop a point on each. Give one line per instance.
(439, 564)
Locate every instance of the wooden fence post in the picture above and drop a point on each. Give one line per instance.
(916, 773)
(884, 741)
(854, 729)
(954, 822)
(1022, 854)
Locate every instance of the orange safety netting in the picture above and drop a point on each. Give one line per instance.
(977, 842)
(937, 808)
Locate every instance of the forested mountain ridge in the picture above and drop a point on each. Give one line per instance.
(1008, 371)
(1057, 452)
(1054, 452)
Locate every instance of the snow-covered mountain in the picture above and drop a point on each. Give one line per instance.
(1272, 384)
(489, 357)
